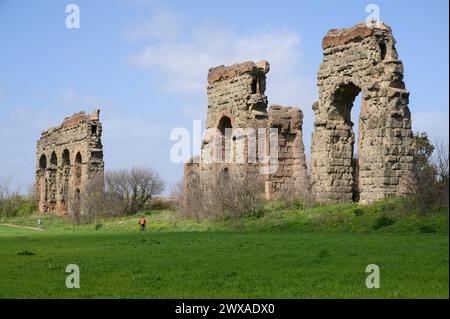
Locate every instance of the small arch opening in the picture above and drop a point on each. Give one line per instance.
(43, 162)
(54, 159)
(345, 98)
(254, 86)
(383, 49)
(78, 161)
(66, 158)
(224, 124)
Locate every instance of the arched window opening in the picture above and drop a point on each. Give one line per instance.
(224, 124)
(255, 86)
(43, 162)
(66, 158)
(78, 158)
(383, 49)
(54, 160)
(78, 161)
(345, 98)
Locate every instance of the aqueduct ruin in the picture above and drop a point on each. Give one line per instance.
(68, 158)
(361, 59)
(236, 101)
(357, 60)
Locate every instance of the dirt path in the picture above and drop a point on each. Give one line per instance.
(23, 227)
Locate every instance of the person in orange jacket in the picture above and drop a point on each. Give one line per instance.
(142, 222)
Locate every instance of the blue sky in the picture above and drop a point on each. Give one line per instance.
(145, 62)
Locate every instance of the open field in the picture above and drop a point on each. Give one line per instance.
(287, 253)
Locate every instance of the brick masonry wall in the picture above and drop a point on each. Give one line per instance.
(68, 157)
(361, 60)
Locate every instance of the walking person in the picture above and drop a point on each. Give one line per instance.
(143, 223)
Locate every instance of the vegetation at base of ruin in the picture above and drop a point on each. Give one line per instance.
(431, 172)
(291, 248)
(12, 203)
(119, 192)
(227, 196)
(213, 264)
(391, 215)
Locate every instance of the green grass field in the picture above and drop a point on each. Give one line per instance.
(287, 253)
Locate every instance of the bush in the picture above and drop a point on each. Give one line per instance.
(383, 221)
(161, 204)
(431, 173)
(228, 195)
(427, 229)
(133, 189)
(25, 253)
(119, 192)
(323, 253)
(358, 211)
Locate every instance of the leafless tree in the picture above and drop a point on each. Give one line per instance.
(132, 189)
(441, 164)
(10, 200)
(440, 159)
(226, 195)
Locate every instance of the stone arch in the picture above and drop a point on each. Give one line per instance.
(64, 178)
(66, 158)
(223, 114)
(360, 59)
(42, 185)
(52, 182)
(54, 160)
(224, 123)
(43, 162)
(78, 168)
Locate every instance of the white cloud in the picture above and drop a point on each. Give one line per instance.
(183, 64)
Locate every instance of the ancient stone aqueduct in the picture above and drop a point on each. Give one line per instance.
(68, 158)
(357, 60)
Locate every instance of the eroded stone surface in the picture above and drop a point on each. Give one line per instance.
(361, 59)
(68, 158)
(236, 100)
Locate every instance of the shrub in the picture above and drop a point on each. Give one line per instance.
(358, 211)
(383, 221)
(25, 253)
(117, 193)
(228, 195)
(133, 189)
(323, 253)
(161, 204)
(431, 174)
(427, 229)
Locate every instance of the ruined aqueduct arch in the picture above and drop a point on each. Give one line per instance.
(69, 157)
(361, 59)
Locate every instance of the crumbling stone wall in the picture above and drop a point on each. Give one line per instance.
(361, 59)
(236, 100)
(68, 157)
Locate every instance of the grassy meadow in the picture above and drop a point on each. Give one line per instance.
(283, 252)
